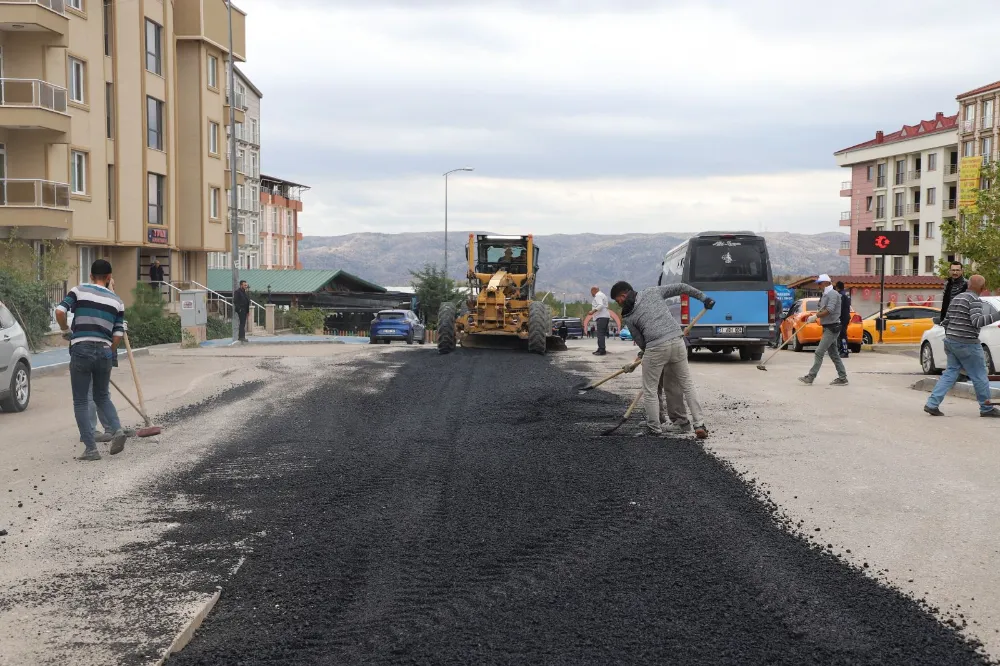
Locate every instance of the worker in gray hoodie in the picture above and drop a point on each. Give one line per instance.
(662, 348)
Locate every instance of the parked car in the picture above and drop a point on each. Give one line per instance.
(389, 325)
(15, 364)
(809, 334)
(933, 359)
(574, 327)
(902, 325)
(625, 334)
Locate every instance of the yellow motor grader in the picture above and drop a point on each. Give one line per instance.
(500, 306)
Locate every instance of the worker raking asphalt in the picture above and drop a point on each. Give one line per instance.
(463, 509)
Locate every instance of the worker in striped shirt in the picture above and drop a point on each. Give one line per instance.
(967, 313)
(98, 327)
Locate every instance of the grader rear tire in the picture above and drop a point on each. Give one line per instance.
(539, 327)
(446, 328)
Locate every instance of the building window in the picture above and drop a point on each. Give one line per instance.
(213, 71)
(254, 169)
(213, 203)
(107, 27)
(154, 123)
(154, 47)
(213, 137)
(898, 207)
(868, 204)
(78, 172)
(930, 230)
(969, 149)
(109, 111)
(288, 250)
(987, 114)
(868, 265)
(274, 221)
(868, 172)
(274, 253)
(253, 132)
(880, 169)
(931, 195)
(900, 171)
(77, 81)
(290, 222)
(111, 191)
(970, 111)
(928, 264)
(76, 4)
(932, 162)
(156, 195)
(88, 255)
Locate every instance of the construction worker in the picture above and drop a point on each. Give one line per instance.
(662, 349)
(828, 315)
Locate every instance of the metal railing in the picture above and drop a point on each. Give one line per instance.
(900, 178)
(33, 93)
(897, 211)
(950, 204)
(845, 185)
(967, 125)
(58, 6)
(880, 181)
(224, 307)
(912, 208)
(33, 193)
(950, 169)
(913, 175)
(846, 215)
(914, 239)
(239, 99)
(880, 213)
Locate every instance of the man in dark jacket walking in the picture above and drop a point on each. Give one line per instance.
(156, 274)
(241, 303)
(956, 284)
(845, 317)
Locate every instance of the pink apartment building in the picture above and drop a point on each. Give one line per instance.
(280, 206)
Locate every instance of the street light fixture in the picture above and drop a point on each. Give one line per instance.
(446, 215)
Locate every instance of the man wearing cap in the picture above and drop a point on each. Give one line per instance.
(828, 315)
(98, 327)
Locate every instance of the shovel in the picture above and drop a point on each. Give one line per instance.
(624, 419)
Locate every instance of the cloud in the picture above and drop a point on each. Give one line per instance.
(366, 94)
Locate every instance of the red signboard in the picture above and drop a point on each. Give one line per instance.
(158, 236)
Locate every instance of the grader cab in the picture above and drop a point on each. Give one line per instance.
(500, 306)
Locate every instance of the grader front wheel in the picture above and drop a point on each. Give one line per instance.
(446, 328)
(539, 327)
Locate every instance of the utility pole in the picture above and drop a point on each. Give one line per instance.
(234, 226)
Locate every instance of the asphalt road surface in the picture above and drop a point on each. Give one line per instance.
(460, 509)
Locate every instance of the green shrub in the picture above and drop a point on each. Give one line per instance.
(29, 305)
(305, 321)
(218, 329)
(148, 323)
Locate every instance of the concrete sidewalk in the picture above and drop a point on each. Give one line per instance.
(56, 360)
(289, 339)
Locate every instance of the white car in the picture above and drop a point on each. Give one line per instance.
(15, 364)
(933, 360)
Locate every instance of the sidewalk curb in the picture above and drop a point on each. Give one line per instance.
(187, 633)
(58, 368)
(959, 390)
(896, 350)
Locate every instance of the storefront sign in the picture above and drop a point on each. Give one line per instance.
(157, 236)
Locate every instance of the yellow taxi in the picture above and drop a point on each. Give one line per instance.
(903, 325)
(794, 326)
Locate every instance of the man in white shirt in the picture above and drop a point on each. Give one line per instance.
(601, 316)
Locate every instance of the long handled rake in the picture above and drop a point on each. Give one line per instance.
(760, 366)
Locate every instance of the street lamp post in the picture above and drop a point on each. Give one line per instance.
(446, 215)
(234, 227)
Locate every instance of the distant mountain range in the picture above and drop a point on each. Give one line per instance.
(570, 263)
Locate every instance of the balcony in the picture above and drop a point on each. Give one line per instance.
(951, 172)
(914, 239)
(39, 209)
(240, 178)
(845, 218)
(47, 17)
(912, 209)
(880, 181)
(913, 175)
(240, 107)
(951, 204)
(898, 211)
(845, 248)
(880, 213)
(900, 178)
(30, 104)
(846, 188)
(247, 136)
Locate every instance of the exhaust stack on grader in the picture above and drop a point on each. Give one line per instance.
(500, 305)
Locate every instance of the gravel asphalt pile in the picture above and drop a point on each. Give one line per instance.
(460, 509)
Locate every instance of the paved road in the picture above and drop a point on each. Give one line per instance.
(458, 509)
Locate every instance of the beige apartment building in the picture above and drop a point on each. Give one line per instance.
(113, 125)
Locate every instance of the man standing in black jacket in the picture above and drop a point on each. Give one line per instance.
(845, 317)
(241, 303)
(156, 275)
(955, 285)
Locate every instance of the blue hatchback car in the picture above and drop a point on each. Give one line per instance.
(389, 325)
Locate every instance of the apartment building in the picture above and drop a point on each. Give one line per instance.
(281, 204)
(903, 181)
(111, 119)
(248, 97)
(978, 125)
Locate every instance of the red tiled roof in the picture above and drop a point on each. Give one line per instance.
(941, 123)
(894, 281)
(978, 91)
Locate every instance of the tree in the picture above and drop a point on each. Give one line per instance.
(433, 288)
(975, 234)
(28, 269)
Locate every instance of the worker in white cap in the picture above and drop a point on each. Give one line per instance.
(828, 315)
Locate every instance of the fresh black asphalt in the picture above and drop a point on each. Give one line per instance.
(462, 511)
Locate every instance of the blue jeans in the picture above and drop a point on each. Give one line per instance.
(92, 408)
(967, 356)
(90, 375)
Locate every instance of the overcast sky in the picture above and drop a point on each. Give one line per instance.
(596, 116)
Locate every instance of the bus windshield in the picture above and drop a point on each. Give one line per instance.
(728, 260)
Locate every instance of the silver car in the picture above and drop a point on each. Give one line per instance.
(15, 364)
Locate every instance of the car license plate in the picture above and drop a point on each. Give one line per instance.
(389, 330)
(729, 330)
